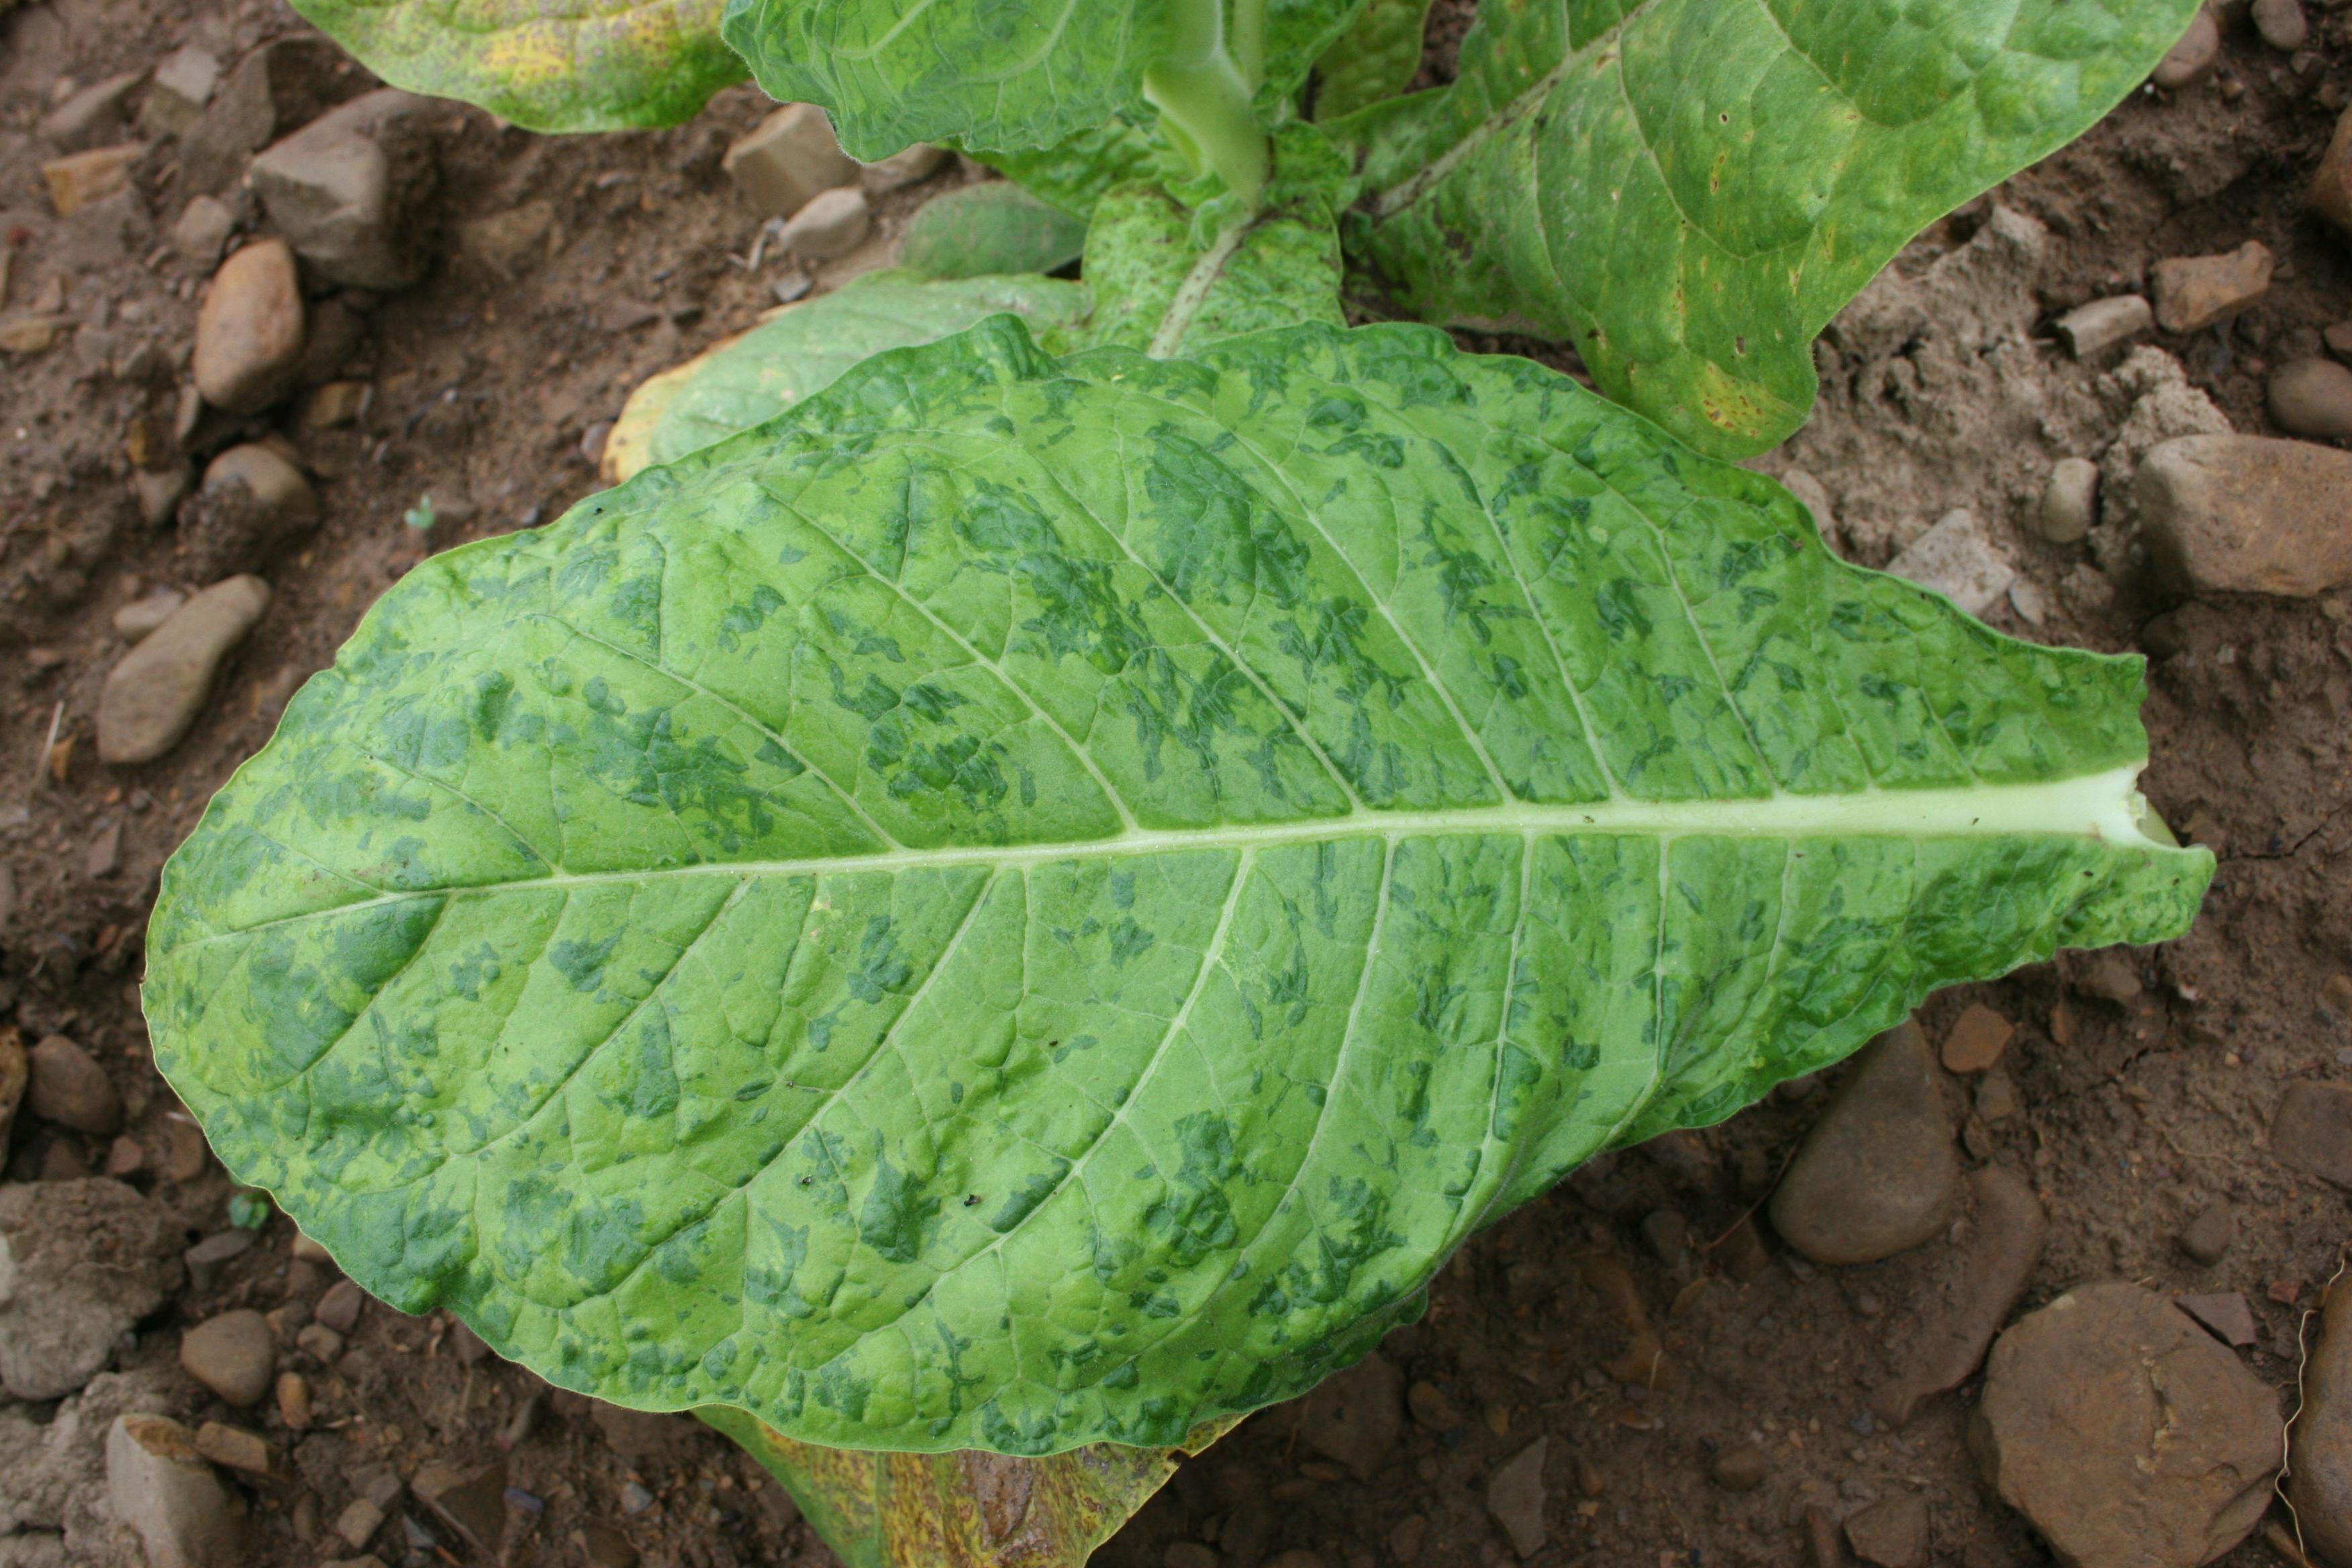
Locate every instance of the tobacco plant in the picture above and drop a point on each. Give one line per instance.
(976, 922)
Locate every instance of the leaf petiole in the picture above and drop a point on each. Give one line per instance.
(1202, 90)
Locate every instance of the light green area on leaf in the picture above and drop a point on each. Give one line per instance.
(992, 227)
(1688, 190)
(1074, 174)
(547, 65)
(1373, 60)
(1158, 288)
(1034, 902)
(803, 349)
(961, 1509)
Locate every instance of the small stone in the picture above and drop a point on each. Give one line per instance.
(170, 1498)
(2311, 398)
(201, 233)
(238, 1449)
(287, 82)
(2091, 329)
(2191, 59)
(1353, 1417)
(2320, 1481)
(358, 1523)
(293, 1391)
(2281, 23)
(904, 168)
(206, 1257)
(1877, 1173)
(471, 1503)
(1406, 1538)
(1515, 1497)
(95, 113)
(2311, 1129)
(83, 1260)
(233, 1354)
(1891, 1532)
(35, 333)
(77, 181)
(71, 1089)
(154, 694)
(184, 81)
(831, 226)
(2247, 514)
(1431, 1409)
(2330, 193)
(1669, 1234)
(249, 329)
(346, 190)
(251, 504)
(786, 160)
(1977, 1039)
(2209, 1238)
(1740, 1469)
(136, 619)
(2224, 1312)
(16, 1069)
(2193, 292)
(1742, 1252)
(608, 1548)
(336, 405)
(510, 243)
(2124, 1433)
(635, 1500)
(2070, 501)
(305, 1250)
(1965, 1302)
(320, 1343)
(105, 851)
(1956, 559)
(338, 1309)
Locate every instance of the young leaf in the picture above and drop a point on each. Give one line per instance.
(1074, 174)
(1033, 902)
(990, 229)
(800, 350)
(1158, 288)
(548, 65)
(1688, 190)
(1373, 60)
(963, 1510)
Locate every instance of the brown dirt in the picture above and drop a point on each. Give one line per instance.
(1942, 388)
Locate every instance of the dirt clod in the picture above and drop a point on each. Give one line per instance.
(1891, 1532)
(1515, 1498)
(2312, 1130)
(85, 1260)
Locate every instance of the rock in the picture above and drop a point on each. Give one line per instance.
(347, 190)
(2090, 329)
(249, 329)
(2209, 1238)
(2312, 397)
(92, 115)
(139, 617)
(293, 1391)
(831, 226)
(2330, 193)
(2124, 1433)
(233, 1354)
(2070, 501)
(154, 693)
(238, 1449)
(16, 1069)
(83, 1260)
(904, 168)
(1354, 1416)
(2193, 292)
(1956, 559)
(169, 1496)
(2224, 1312)
(358, 1523)
(285, 83)
(2281, 23)
(786, 160)
(77, 181)
(251, 504)
(184, 81)
(471, 1503)
(202, 231)
(2311, 1129)
(159, 493)
(1981, 1279)
(2319, 1476)
(1891, 1532)
(1877, 1173)
(510, 243)
(35, 333)
(1431, 1409)
(1977, 1039)
(1515, 1497)
(1742, 1252)
(334, 334)
(2191, 59)
(608, 1548)
(338, 1309)
(206, 1259)
(71, 1089)
(1740, 1469)
(2247, 514)
(336, 405)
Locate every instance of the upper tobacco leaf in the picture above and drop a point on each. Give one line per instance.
(1033, 901)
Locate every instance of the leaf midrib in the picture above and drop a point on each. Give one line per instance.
(2100, 805)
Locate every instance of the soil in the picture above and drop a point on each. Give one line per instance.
(2144, 1089)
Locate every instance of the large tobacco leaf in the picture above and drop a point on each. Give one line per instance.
(1033, 901)
(548, 65)
(1688, 190)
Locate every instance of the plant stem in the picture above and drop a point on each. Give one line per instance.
(1202, 89)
